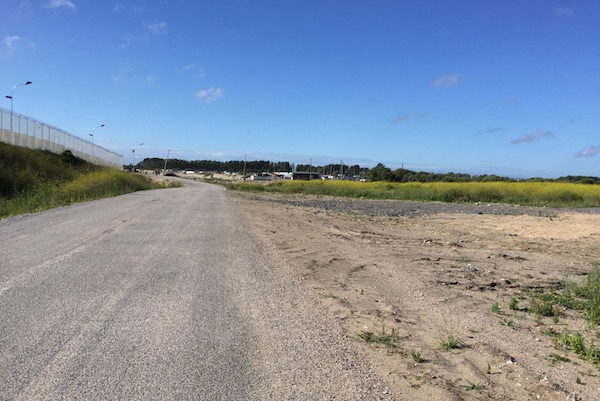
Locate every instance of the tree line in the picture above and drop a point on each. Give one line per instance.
(378, 173)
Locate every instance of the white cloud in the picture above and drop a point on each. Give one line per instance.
(210, 94)
(406, 117)
(533, 137)
(446, 80)
(117, 7)
(10, 41)
(149, 80)
(590, 151)
(157, 27)
(493, 130)
(564, 12)
(60, 3)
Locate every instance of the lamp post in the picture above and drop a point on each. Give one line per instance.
(94, 131)
(133, 155)
(93, 147)
(12, 93)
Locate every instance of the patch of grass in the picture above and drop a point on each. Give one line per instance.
(451, 342)
(508, 323)
(416, 356)
(472, 386)
(390, 340)
(513, 304)
(577, 343)
(592, 295)
(550, 332)
(555, 358)
(495, 308)
(581, 297)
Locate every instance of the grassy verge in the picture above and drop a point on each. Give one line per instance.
(34, 180)
(551, 194)
(582, 298)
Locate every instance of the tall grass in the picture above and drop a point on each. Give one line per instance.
(524, 193)
(34, 180)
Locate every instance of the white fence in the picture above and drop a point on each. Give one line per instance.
(30, 133)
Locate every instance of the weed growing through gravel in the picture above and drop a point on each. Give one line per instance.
(495, 308)
(472, 386)
(416, 356)
(390, 340)
(451, 343)
(555, 358)
(584, 298)
(574, 342)
(508, 323)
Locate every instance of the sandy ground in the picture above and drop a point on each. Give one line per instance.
(422, 279)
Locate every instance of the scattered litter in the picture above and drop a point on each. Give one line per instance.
(472, 269)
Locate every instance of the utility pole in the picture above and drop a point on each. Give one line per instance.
(166, 160)
(244, 177)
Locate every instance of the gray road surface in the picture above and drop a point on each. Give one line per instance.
(162, 295)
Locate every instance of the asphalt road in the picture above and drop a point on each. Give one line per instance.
(162, 295)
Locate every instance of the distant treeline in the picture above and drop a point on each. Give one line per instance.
(377, 173)
(250, 167)
(382, 173)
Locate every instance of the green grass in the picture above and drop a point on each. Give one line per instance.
(524, 193)
(584, 298)
(390, 340)
(581, 297)
(35, 180)
(416, 356)
(451, 343)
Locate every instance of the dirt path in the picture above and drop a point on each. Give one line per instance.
(417, 280)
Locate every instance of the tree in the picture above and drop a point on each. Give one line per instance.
(380, 173)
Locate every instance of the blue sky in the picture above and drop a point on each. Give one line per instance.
(507, 87)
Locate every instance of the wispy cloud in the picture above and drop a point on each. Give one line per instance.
(210, 95)
(446, 80)
(197, 73)
(590, 151)
(117, 7)
(406, 117)
(149, 80)
(157, 27)
(564, 12)
(493, 130)
(533, 137)
(61, 3)
(187, 67)
(10, 41)
(125, 43)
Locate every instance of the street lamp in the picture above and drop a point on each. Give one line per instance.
(133, 155)
(12, 93)
(94, 131)
(93, 147)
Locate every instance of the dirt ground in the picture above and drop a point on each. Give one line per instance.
(422, 278)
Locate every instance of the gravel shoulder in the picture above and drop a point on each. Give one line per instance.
(419, 274)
